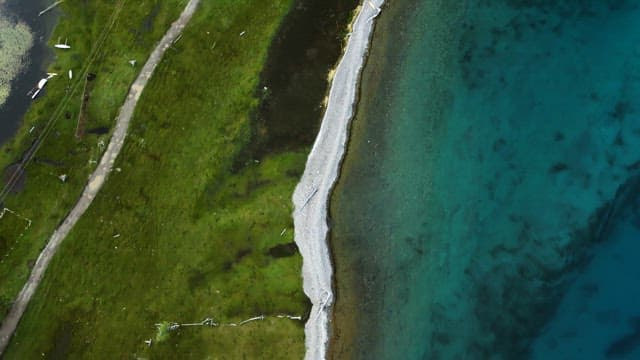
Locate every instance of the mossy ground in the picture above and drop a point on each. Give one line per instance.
(181, 232)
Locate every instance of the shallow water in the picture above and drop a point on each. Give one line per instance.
(34, 64)
(15, 41)
(490, 138)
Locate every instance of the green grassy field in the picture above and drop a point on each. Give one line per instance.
(96, 48)
(179, 234)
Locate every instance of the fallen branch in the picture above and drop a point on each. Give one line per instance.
(50, 7)
(165, 327)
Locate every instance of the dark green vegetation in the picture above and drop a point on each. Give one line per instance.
(191, 226)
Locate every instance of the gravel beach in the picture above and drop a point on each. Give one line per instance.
(321, 172)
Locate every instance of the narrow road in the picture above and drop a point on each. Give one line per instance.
(97, 178)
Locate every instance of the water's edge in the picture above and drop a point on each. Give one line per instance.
(40, 56)
(321, 172)
(406, 256)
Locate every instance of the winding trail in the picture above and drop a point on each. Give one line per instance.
(97, 179)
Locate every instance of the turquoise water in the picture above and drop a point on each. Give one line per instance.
(599, 316)
(475, 216)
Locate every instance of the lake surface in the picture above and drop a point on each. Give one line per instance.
(34, 65)
(484, 208)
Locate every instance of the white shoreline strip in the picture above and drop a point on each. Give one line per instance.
(96, 180)
(321, 172)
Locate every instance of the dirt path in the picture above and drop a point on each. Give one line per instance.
(97, 178)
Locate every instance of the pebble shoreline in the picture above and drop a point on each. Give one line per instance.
(322, 169)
